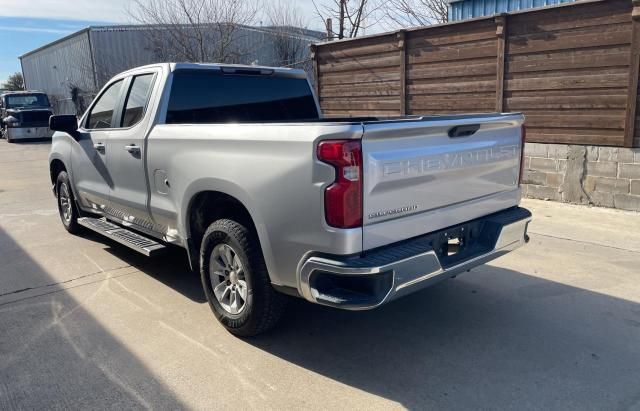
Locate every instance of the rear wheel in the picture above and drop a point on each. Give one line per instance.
(235, 280)
(66, 204)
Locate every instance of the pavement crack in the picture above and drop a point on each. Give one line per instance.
(22, 290)
(2, 304)
(586, 242)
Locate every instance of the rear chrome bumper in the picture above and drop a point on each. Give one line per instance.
(367, 281)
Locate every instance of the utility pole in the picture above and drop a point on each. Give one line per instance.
(329, 29)
(343, 6)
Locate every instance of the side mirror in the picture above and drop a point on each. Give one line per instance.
(67, 123)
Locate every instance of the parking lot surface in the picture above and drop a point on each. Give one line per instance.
(86, 323)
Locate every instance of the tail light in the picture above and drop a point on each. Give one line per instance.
(343, 198)
(523, 137)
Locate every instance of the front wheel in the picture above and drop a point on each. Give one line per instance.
(66, 204)
(235, 280)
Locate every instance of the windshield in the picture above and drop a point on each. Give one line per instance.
(27, 100)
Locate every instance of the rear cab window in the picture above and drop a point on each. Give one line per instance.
(209, 97)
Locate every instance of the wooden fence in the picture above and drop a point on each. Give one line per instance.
(572, 69)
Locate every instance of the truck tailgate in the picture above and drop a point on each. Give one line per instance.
(425, 174)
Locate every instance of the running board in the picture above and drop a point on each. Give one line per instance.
(135, 241)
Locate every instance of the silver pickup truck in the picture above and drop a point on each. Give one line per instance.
(236, 165)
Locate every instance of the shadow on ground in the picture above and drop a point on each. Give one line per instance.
(56, 355)
(170, 268)
(494, 337)
(490, 339)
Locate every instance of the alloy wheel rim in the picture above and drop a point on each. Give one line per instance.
(65, 202)
(228, 279)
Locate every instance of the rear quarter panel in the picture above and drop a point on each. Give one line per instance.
(270, 168)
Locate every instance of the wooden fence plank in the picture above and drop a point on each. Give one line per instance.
(501, 28)
(372, 76)
(560, 41)
(450, 53)
(402, 47)
(634, 68)
(570, 82)
(316, 66)
(594, 93)
(350, 65)
(570, 121)
(434, 103)
(457, 87)
(597, 140)
(566, 102)
(545, 62)
(486, 69)
(587, 73)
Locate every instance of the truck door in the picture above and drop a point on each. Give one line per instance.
(90, 174)
(126, 162)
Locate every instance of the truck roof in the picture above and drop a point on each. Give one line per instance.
(7, 93)
(293, 72)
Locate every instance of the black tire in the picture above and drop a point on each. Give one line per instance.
(263, 306)
(63, 189)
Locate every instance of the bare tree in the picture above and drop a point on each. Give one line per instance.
(353, 16)
(288, 33)
(194, 30)
(409, 13)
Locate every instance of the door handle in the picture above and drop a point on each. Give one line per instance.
(132, 148)
(99, 147)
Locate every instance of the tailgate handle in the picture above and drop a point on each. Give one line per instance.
(464, 131)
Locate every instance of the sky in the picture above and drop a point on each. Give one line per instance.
(28, 24)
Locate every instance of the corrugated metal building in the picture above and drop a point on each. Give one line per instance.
(85, 60)
(467, 9)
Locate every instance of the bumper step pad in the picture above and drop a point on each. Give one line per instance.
(133, 240)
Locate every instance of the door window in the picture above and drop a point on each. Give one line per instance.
(137, 99)
(101, 115)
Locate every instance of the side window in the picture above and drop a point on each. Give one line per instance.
(102, 112)
(137, 99)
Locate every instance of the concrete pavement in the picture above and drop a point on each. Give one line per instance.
(85, 323)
